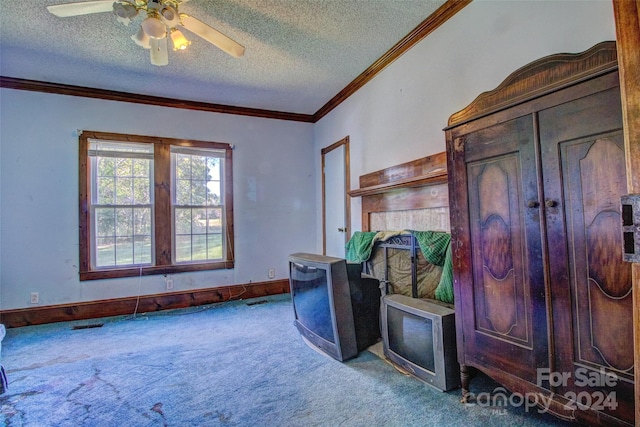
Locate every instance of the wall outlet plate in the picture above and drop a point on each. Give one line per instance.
(35, 297)
(272, 273)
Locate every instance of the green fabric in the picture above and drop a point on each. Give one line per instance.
(359, 246)
(436, 248)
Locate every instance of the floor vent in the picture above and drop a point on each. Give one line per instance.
(89, 326)
(262, 301)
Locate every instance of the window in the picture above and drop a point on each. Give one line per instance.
(153, 205)
(197, 204)
(121, 203)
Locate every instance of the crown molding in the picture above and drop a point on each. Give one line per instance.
(109, 95)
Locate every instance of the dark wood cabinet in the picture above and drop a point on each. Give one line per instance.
(542, 296)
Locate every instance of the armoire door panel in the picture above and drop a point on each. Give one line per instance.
(504, 230)
(584, 173)
(594, 176)
(501, 308)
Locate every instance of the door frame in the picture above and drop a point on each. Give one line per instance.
(347, 184)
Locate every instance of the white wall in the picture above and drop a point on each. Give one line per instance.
(274, 193)
(400, 114)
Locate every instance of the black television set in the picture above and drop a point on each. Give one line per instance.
(336, 306)
(419, 336)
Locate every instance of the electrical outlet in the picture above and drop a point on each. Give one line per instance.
(272, 273)
(35, 298)
(169, 282)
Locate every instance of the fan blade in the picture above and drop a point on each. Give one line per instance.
(159, 53)
(211, 35)
(81, 8)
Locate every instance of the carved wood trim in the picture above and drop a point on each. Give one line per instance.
(541, 77)
(146, 304)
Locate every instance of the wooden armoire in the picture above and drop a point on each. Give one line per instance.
(542, 294)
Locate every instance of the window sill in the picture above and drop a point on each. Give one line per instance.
(153, 270)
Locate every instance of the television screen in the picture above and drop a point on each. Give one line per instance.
(336, 306)
(420, 337)
(310, 287)
(411, 337)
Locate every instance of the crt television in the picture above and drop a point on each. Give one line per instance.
(336, 306)
(419, 336)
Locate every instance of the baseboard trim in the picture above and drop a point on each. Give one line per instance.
(147, 303)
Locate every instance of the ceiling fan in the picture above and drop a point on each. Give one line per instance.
(161, 21)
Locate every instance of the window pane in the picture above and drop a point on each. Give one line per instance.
(141, 168)
(106, 252)
(183, 166)
(106, 190)
(214, 246)
(124, 222)
(199, 225)
(105, 222)
(183, 192)
(213, 165)
(142, 221)
(183, 248)
(124, 167)
(183, 221)
(199, 247)
(106, 166)
(124, 191)
(124, 251)
(198, 168)
(199, 192)
(213, 193)
(214, 224)
(141, 194)
(142, 250)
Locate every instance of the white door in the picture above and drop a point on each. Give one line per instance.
(335, 207)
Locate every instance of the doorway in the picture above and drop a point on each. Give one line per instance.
(336, 205)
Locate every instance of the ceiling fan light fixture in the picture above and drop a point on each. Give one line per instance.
(161, 22)
(154, 28)
(180, 42)
(169, 16)
(124, 12)
(141, 38)
(158, 52)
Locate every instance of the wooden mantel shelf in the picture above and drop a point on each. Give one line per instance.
(428, 170)
(436, 177)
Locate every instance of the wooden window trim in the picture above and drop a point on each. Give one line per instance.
(162, 208)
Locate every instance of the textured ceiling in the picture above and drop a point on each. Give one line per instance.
(299, 53)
